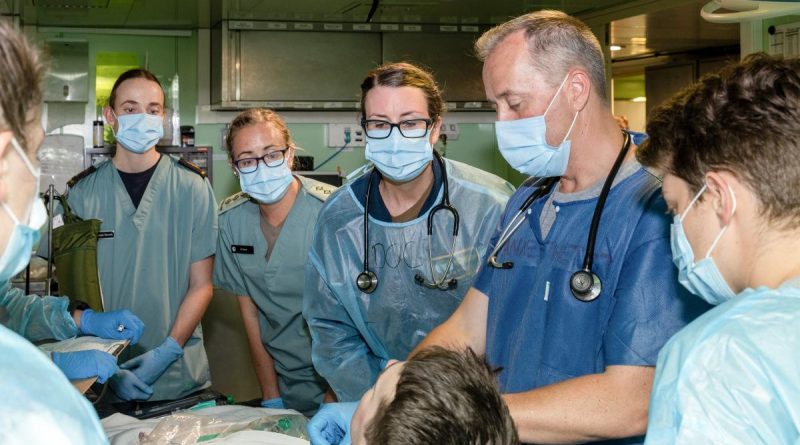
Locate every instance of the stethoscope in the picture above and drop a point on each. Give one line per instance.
(584, 284)
(367, 280)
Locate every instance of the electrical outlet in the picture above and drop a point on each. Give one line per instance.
(339, 134)
(450, 130)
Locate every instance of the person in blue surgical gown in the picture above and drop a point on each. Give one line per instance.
(156, 251)
(38, 404)
(264, 237)
(577, 365)
(730, 148)
(420, 275)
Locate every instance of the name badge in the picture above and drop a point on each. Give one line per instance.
(248, 250)
(105, 234)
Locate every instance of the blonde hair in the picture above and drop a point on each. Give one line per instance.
(255, 116)
(557, 42)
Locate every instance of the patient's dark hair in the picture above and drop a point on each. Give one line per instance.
(444, 397)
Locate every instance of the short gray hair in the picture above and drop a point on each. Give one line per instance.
(557, 42)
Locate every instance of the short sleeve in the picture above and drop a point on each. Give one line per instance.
(227, 274)
(204, 228)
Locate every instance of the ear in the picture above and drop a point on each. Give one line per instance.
(5, 147)
(720, 188)
(436, 129)
(108, 115)
(579, 87)
(290, 157)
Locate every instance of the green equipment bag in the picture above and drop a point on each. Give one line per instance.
(75, 258)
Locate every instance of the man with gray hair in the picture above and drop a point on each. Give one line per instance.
(579, 293)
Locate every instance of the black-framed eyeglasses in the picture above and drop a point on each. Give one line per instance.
(272, 159)
(411, 128)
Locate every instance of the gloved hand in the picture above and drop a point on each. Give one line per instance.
(128, 387)
(276, 403)
(331, 425)
(107, 324)
(85, 364)
(149, 366)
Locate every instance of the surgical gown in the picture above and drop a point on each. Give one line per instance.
(38, 404)
(538, 332)
(275, 286)
(733, 375)
(144, 255)
(355, 333)
(35, 318)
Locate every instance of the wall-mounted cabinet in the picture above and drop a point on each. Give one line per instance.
(320, 66)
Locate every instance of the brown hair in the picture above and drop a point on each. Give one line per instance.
(557, 42)
(136, 73)
(404, 74)
(254, 116)
(444, 397)
(20, 81)
(745, 120)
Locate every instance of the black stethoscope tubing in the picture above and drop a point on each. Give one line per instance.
(584, 283)
(367, 280)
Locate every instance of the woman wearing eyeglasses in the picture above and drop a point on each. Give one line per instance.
(386, 265)
(264, 236)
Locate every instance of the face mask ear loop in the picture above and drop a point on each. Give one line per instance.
(696, 197)
(24, 157)
(10, 213)
(563, 82)
(721, 232)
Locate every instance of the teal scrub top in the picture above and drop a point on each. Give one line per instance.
(275, 286)
(144, 255)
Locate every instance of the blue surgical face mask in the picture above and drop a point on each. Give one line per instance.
(25, 231)
(523, 143)
(702, 278)
(267, 185)
(399, 158)
(139, 132)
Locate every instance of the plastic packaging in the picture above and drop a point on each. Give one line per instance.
(188, 428)
(97, 134)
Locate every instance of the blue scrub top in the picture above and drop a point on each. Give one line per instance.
(539, 333)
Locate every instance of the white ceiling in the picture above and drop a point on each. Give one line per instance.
(668, 26)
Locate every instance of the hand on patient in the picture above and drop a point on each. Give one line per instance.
(85, 364)
(331, 425)
(127, 386)
(149, 366)
(117, 325)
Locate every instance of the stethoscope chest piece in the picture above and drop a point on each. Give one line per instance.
(367, 281)
(585, 285)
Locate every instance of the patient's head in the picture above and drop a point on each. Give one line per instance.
(439, 396)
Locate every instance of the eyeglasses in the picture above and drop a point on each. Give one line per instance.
(272, 159)
(412, 128)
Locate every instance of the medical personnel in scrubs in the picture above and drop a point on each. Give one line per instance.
(573, 371)
(264, 237)
(356, 330)
(156, 249)
(730, 150)
(38, 404)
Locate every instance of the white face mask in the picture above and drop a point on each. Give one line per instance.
(25, 232)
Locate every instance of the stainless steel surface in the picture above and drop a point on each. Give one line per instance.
(67, 78)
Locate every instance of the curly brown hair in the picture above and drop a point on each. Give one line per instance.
(20, 81)
(744, 120)
(444, 397)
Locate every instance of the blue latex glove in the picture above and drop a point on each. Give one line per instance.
(149, 366)
(85, 364)
(331, 425)
(276, 403)
(129, 387)
(107, 325)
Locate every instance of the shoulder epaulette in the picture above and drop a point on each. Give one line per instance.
(232, 201)
(321, 190)
(192, 167)
(75, 179)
